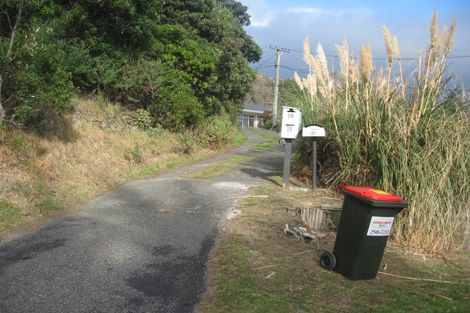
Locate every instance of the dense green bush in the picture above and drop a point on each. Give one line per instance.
(180, 60)
(217, 131)
(162, 91)
(36, 79)
(144, 119)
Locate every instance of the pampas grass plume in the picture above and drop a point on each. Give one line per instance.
(298, 81)
(343, 52)
(388, 44)
(450, 38)
(366, 61)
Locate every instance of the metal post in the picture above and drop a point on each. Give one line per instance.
(314, 164)
(287, 156)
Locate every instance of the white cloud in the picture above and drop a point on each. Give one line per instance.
(319, 12)
(310, 10)
(263, 20)
(260, 12)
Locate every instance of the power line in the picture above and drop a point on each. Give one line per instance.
(294, 69)
(260, 68)
(459, 57)
(266, 61)
(385, 58)
(305, 72)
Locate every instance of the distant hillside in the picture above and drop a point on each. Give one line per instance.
(262, 91)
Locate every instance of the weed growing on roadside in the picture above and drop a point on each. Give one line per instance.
(9, 214)
(48, 205)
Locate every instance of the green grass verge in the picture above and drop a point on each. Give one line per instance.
(153, 169)
(240, 138)
(49, 205)
(257, 268)
(9, 214)
(216, 169)
(269, 141)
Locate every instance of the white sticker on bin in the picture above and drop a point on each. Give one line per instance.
(380, 226)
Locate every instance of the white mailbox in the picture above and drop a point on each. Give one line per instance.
(291, 120)
(314, 130)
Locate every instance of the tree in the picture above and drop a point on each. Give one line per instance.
(9, 50)
(98, 46)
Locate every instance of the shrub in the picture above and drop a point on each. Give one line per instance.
(144, 119)
(134, 155)
(39, 81)
(156, 131)
(187, 143)
(217, 131)
(162, 91)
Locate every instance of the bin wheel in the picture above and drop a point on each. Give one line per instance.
(327, 260)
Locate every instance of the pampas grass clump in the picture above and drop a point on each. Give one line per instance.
(407, 136)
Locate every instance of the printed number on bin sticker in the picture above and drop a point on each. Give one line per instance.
(380, 226)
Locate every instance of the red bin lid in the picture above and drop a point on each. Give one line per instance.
(372, 193)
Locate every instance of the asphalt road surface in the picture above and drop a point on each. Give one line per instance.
(142, 247)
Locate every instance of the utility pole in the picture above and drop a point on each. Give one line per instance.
(277, 67)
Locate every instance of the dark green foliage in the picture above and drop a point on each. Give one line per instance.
(180, 60)
(217, 131)
(144, 119)
(162, 91)
(36, 78)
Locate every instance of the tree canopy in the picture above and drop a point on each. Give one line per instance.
(180, 60)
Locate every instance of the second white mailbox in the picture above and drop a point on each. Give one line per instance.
(291, 121)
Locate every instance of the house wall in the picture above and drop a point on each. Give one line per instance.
(250, 120)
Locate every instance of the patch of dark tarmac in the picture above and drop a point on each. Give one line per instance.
(181, 277)
(12, 253)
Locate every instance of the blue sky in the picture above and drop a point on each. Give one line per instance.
(287, 23)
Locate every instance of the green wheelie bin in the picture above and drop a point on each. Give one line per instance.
(366, 221)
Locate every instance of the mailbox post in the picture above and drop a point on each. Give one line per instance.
(314, 131)
(290, 126)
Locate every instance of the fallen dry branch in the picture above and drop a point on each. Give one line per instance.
(423, 279)
(302, 252)
(266, 266)
(269, 275)
(441, 296)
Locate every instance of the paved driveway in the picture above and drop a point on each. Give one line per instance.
(142, 247)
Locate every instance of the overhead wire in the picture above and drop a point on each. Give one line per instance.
(266, 61)
(385, 58)
(303, 71)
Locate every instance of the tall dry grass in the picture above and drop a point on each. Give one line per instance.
(405, 135)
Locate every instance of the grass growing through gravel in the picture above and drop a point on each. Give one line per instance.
(239, 139)
(216, 169)
(257, 268)
(269, 140)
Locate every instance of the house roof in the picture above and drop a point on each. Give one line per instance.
(257, 108)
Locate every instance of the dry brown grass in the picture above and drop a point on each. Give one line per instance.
(46, 175)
